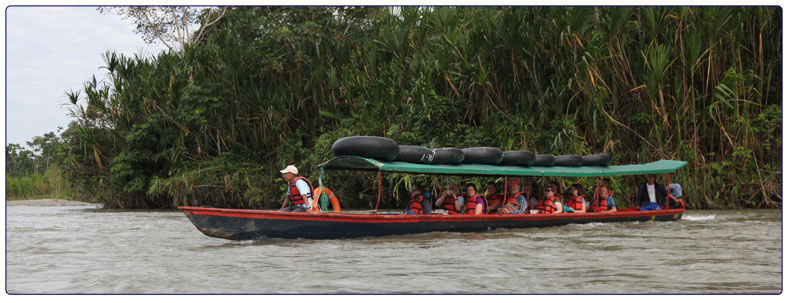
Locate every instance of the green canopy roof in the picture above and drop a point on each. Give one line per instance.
(359, 163)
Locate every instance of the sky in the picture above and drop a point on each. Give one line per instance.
(52, 50)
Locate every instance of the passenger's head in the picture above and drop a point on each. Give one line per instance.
(515, 186)
(651, 178)
(574, 190)
(556, 188)
(491, 188)
(606, 182)
(416, 190)
(549, 191)
(289, 173)
(603, 191)
(453, 188)
(470, 189)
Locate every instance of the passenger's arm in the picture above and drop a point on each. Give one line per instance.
(612, 204)
(479, 209)
(494, 204)
(307, 205)
(287, 199)
(559, 208)
(440, 201)
(582, 206)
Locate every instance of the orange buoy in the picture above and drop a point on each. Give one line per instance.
(331, 197)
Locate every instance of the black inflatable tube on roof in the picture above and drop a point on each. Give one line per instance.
(517, 158)
(482, 155)
(543, 160)
(380, 148)
(568, 160)
(597, 160)
(415, 154)
(447, 155)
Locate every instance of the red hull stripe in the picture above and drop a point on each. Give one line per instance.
(364, 218)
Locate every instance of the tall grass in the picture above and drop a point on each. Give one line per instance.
(51, 185)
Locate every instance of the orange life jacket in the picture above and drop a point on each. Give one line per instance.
(415, 204)
(470, 205)
(448, 205)
(575, 203)
(295, 195)
(513, 199)
(495, 197)
(547, 205)
(600, 204)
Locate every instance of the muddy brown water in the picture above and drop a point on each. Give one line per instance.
(83, 249)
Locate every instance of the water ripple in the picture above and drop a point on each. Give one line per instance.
(84, 250)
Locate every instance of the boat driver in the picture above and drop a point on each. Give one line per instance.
(299, 191)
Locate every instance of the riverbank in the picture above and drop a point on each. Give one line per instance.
(47, 202)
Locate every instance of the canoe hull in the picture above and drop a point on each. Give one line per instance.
(237, 224)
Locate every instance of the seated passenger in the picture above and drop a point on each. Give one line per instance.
(517, 203)
(494, 199)
(474, 203)
(675, 195)
(604, 202)
(416, 203)
(651, 194)
(530, 196)
(449, 200)
(556, 188)
(576, 200)
(550, 204)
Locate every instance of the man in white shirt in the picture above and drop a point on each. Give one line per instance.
(651, 194)
(299, 191)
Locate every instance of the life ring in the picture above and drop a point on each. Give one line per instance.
(331, 197)
(597, 160)
(482, 155)
(447, 155)
(543, 160)
(380, 148)
(517, 157)
(568, 160)
(415, 154)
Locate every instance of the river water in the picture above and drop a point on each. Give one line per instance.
(83, 249)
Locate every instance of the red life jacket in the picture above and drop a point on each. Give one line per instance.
(295, 195)
(547, 205)
(600, 204)
(495, 197)
(575, 203)
(513, 200)
(448, 205)
(470, 205)
(415, 204)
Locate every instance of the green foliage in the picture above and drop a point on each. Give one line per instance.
(272, 86)
(50, 185)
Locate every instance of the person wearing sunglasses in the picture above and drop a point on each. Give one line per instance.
(550, 204)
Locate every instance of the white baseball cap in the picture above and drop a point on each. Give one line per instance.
(290, 169)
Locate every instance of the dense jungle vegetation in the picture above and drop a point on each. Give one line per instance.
(213, 122)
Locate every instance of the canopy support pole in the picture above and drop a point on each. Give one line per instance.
(596, 194)
(380, 184)
(633, 192)
(505, 192)
(667, 197)
(322, 190)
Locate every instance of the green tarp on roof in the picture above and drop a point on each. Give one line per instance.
(358, 163)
